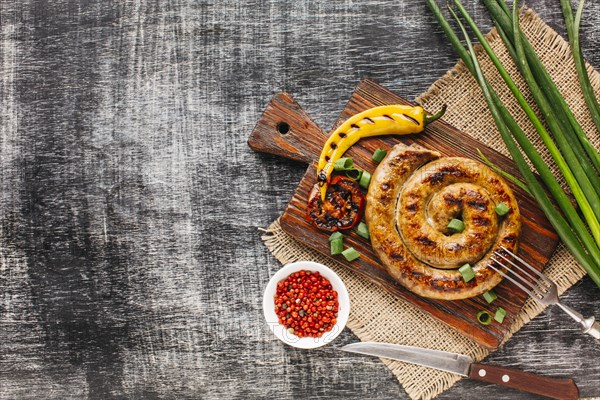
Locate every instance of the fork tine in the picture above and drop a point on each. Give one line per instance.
(536, 286)
(538, 283)
(530, 292)
(546, 280)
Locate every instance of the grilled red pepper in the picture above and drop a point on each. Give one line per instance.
(343, 206)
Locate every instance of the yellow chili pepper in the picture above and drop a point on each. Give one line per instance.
(384, 120)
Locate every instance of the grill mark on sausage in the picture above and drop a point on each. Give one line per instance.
(476, 204)
(439, 176)
(456, 247)
(477, 235)
(451, 200)
(384, 201)
(481, 221)
(397, 256)
(448, 285)
(435, 178)
(425, 241)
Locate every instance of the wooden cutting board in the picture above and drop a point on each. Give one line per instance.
(286, 130)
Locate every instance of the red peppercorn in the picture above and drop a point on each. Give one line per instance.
(306, 304)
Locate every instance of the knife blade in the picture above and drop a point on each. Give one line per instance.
(556, 388)
(442, 360)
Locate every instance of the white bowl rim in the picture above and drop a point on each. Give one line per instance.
(273, 321)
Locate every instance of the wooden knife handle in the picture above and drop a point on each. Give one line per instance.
(286, 130)
(555, 388)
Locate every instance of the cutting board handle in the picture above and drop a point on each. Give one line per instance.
(286, 130)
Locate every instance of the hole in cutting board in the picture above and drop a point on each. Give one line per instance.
(283, 128)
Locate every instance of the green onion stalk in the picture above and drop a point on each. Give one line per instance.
(570, 227)
(584, 79)
(558, 118)
(589, 156)
(505, 174)
(587, 199)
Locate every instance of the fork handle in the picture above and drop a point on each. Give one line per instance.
(588, 325)
(555, 388)
(591, 327)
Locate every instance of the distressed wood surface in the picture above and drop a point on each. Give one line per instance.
(131, 264)
(301, 140)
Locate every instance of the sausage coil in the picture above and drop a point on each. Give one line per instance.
(413, 195)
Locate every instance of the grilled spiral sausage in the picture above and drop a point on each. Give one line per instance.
(413, 195)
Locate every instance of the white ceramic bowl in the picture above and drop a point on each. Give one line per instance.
(280, 331)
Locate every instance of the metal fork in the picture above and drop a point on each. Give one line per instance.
(541, 289)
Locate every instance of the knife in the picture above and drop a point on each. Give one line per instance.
(460, 364)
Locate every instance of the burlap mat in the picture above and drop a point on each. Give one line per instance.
(378, 316)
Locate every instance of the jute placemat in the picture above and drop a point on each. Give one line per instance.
(378, 316)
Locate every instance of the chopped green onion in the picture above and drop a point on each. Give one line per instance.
(467, 272)
(337, 246)
(343, 164)
(365, 179)
(484, 317)
(351, 254)
(363, 230)
(379, 155)
(502, 209)
(354, 174)
(500, 314)
(456, 225)
(490, 296)
(336, 235)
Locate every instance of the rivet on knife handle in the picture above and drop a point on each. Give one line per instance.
(555, 388)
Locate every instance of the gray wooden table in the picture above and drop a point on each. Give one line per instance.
(130, 259)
